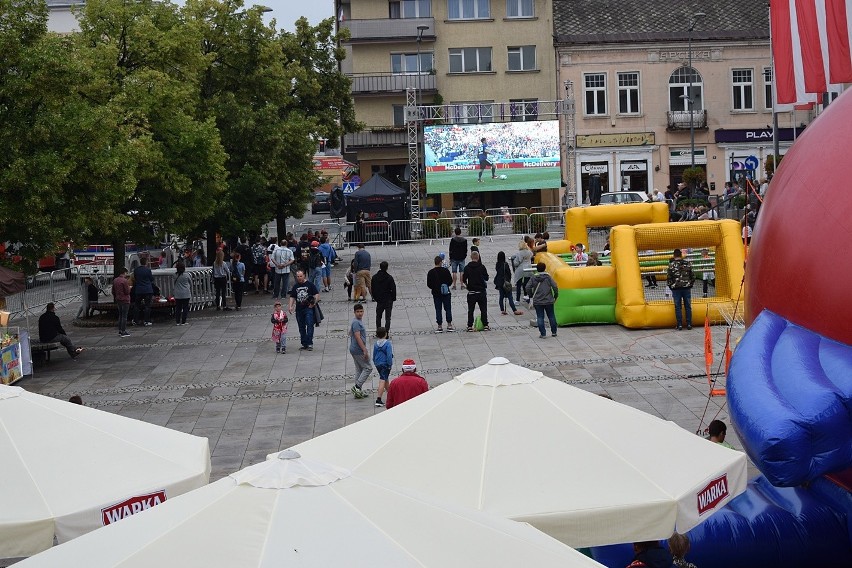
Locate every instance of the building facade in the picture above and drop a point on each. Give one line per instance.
(490, 60)
(640, 105)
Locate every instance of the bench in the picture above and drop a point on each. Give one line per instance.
(113, 307)
(43, 348)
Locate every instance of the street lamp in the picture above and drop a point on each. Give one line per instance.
(689, 96)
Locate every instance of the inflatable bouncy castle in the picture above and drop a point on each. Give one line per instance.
(790, 380)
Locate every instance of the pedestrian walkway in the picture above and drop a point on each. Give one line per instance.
(220, 377)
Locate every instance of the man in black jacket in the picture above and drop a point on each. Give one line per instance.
(384, 293)
(475, 277)
(50, 331)
(439, 280)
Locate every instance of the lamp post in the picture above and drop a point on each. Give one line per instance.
(689, 97)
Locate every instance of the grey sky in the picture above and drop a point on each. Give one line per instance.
(286, 12)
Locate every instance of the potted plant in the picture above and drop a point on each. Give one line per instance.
(692, 177)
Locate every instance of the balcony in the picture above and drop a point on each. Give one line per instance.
(389, 83)
(680, 120)
(388, 30)
(377, 137)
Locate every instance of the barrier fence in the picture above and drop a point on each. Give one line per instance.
(60, 287)
(483, 226)
(203, 292)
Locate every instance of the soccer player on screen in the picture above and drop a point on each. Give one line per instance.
(484, 163)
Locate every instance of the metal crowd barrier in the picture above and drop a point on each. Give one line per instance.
(500, 211)
(482, 226)
(60, 287)
(460, 213)
(203, 292)
(371, 232)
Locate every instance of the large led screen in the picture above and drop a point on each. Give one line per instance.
(524, 155)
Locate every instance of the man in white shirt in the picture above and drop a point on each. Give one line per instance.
(282, 258)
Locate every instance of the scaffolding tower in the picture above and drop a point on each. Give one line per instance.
(569, 112)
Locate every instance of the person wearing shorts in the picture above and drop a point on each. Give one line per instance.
(458, 254)
(363, 278)
(484, 162)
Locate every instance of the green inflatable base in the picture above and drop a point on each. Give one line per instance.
(585, 305)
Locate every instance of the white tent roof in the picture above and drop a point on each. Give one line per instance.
(510, 441)
(67, 469)
(297, 512)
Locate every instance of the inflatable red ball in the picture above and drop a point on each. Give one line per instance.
(799, 265)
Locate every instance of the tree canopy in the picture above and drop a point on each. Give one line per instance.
(156, 117)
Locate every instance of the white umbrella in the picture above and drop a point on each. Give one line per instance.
(507, 440)
(296, 512)
(68, 469)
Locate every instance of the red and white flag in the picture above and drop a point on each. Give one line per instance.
(810, 48)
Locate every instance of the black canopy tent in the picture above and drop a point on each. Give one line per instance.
(380, 200)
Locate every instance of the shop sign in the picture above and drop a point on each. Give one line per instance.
(755, 135)
(594, 168)
(634, 166)
(684, 152)
(626, 139)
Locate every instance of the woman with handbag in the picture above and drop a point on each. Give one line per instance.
(503, 283)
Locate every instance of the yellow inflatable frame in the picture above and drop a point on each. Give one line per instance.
(579, 219)
(632, 310)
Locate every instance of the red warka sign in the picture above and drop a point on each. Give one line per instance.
(131, 506)
(712, 494)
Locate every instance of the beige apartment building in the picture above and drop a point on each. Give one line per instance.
(491, 60)
(629, 65)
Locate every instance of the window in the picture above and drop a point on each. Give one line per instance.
(410, 9)
(523, 109)
(628, 93)
(767, 87)
(742, 82)
(594, 85)
(470, 59)
(406, 63)
(472, 112)
(519, 8)
(679, 95)
(522, 58)
(399, 115)
(468, 9)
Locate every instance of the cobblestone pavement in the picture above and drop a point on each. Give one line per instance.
(219, 376)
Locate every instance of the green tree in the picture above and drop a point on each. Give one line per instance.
(146, 68)
(313, 54)
(272, 95)
(61, 174)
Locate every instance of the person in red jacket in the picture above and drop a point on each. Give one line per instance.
(406, 386)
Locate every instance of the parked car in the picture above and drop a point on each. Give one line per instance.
(321, 202)
(617, 197)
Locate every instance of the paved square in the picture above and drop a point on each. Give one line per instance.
(220, 377)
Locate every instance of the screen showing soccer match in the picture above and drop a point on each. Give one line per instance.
(492, 156)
